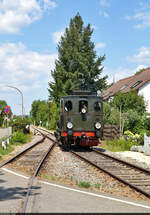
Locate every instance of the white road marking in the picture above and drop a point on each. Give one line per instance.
(80, 191)
(96, 195)
(23, 176)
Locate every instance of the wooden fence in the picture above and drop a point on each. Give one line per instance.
(111, 132)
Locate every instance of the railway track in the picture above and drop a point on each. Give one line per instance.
(134, 176)
(35, 174)
(30, 154)
(22, 152)
(127, 173)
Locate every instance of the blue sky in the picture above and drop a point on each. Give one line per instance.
(31, 29)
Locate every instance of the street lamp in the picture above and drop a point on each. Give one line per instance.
(21, 98)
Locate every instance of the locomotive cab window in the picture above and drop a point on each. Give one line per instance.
(83, 106)
(97, 106)
(68, 105)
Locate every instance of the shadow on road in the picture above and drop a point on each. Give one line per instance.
(1, 180)
(15, 192)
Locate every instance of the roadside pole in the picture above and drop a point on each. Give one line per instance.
(7, 110)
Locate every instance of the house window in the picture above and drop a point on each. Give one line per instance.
(123, 87)
(136, 83)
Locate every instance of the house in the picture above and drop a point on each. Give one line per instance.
(139, 82)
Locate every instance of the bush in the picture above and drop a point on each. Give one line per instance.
(5, 151)
(19, 137)
(119, 145)
(19, 124)
(84, 184)
(134, 121)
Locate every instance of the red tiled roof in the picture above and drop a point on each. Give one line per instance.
(127, 84)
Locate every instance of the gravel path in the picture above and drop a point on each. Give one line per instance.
(65, 168)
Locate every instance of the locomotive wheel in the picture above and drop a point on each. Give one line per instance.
(65, 144)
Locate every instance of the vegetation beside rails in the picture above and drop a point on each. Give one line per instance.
(18, 139)
(84, 184)
(47, 176)
(118, 145)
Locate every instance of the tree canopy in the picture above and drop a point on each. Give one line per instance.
(77, 66)
(44, 112)
(39, 111)
(129, 100)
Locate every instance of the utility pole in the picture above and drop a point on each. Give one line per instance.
(120, 122)
(21, 99)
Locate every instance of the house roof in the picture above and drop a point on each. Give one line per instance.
(127, 84)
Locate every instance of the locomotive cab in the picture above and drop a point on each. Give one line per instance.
(81, 119)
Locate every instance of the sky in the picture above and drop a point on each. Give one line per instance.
(30, 31)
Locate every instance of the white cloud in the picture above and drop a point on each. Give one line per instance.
(141, 16)
(15, 14)
(27, 70)
(127, 17)
(93, 27)
(24, 67)
(57, 35)
(48, 4)
(120, 73)
(144, 20)
(104, 14)
(143, 56)
(100, 45)
(104, 3)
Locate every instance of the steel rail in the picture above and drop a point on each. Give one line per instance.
(122, 161)
(34, 175)
(111, 174)
(43, 130)
(22, 152)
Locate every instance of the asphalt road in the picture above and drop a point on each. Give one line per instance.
(48, 197)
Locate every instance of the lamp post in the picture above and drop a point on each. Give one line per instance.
(21, 98)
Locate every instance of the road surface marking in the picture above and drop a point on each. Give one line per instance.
(80, 191)
(23, 176)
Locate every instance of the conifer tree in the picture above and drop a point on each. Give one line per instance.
(77, 66)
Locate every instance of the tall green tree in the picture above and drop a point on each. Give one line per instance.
(129, 101)
(39, 112)
(78, 66)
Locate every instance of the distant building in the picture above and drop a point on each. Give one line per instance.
(139, 82)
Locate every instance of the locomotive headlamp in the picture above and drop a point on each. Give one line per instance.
(83, 110)
(69, 125)
(97, 125)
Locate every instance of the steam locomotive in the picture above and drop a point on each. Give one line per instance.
(81, 119)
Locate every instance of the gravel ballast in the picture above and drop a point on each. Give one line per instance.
(66, 168)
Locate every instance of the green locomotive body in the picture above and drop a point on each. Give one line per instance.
(81, 119)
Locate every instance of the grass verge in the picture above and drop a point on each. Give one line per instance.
(18, 139)
(84, 184)
(118, 145)
(46, 176)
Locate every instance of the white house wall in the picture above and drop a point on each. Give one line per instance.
(145, 91)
